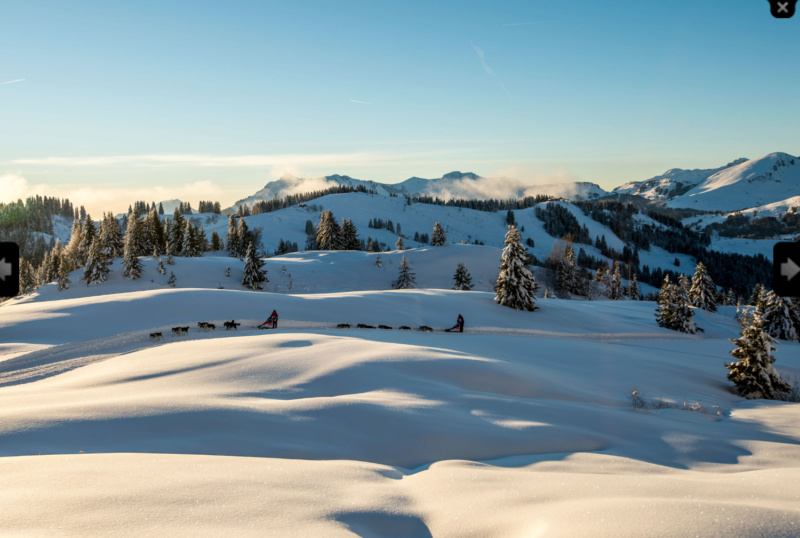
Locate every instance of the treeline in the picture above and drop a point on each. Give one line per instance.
(744, 226)
(491, 205)
(25, 223)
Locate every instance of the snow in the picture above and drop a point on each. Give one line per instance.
(520, 426)
(758, 182)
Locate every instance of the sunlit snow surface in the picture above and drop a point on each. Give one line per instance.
(520, 426)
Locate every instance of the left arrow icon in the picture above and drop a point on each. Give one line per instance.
(6, 269)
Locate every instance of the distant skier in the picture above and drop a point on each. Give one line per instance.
(272, 321)
(459, 326)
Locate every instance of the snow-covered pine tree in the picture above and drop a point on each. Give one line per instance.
(516, 286)
(754, 374)
(189, 246)
(683, 313)
(89, 234)
(176, 230)
(438, 238)
(156, 230)
(170, 251)
(633, 288)
(63, 276)
(254, 275)
(405, 278)
(171, 280)
(563, 261)
(111, 232)
(378, 262)
(327, 231)
(27, 277)
(73, 248)
(96, 269)
(603, 276)
(350, 235)
(227, 270)
(399, 245)
(777, 318)
(131, 266)
(665, 311)
(615, 291)
(155, 253)
(462, 280)
(232, 240)
(703, 292)
(161, 269)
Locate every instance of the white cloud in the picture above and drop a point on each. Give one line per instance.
(12, 81)
(481, 57)
(360, 102)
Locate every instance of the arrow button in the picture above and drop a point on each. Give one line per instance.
(785, 269)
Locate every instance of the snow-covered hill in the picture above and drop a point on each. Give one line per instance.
(456, 185)
(523, 425)
(671, 183)
(758, 182)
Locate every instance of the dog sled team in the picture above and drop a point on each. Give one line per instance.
(272, 323)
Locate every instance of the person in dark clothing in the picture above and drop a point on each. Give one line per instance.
(272, 321)
(459, 326)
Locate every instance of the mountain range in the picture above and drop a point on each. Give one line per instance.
(743, 184)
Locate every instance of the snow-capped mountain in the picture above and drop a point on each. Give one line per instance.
(456, 184)
(757, 182)
(671, 183)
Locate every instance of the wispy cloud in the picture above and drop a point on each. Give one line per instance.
(12, 81)
(482, 58)
(525, 23)
(360, 102)
(489, 70)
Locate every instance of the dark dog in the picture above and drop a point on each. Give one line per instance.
(405, 328)
(202, 325)
(176, 330)
(384, 327)
(343, 326)
(425, 328)
(155, 337)
(211, 327)
(231, 325)
(183, 330)
(362, 326)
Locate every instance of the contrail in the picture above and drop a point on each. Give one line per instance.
(12, 81)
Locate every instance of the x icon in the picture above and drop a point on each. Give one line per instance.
(783, 7)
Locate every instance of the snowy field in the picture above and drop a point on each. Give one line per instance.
(521, 426)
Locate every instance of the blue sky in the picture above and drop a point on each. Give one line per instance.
(104, 101)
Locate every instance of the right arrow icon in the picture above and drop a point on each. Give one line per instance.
(789, 269)
(785, 269)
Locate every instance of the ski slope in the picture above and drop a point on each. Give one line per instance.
(521, 426)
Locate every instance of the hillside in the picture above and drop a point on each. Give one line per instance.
(522, 424)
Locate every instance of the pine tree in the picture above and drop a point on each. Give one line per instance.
(399, 245)
(176, 230)
(327, 232)
(349, 235)
(156, 231)
(405, 279)
(171, 280)
(215, 241)
(633, 289)
(96, 269)
(131, 265)
(754, 373)
(188, 248)
(89, 233)
(232, 240)
(666, 308)
(161, 269)
(777, 318)
(563, 261)
(516, 286)
(703, 292)
(228, 270)
(27, 277)
(438, 239)
(169, 260)
(111, 232)
(462, 280)
(63, 276)
(378, 262)
(615, 290)
(254, 275)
